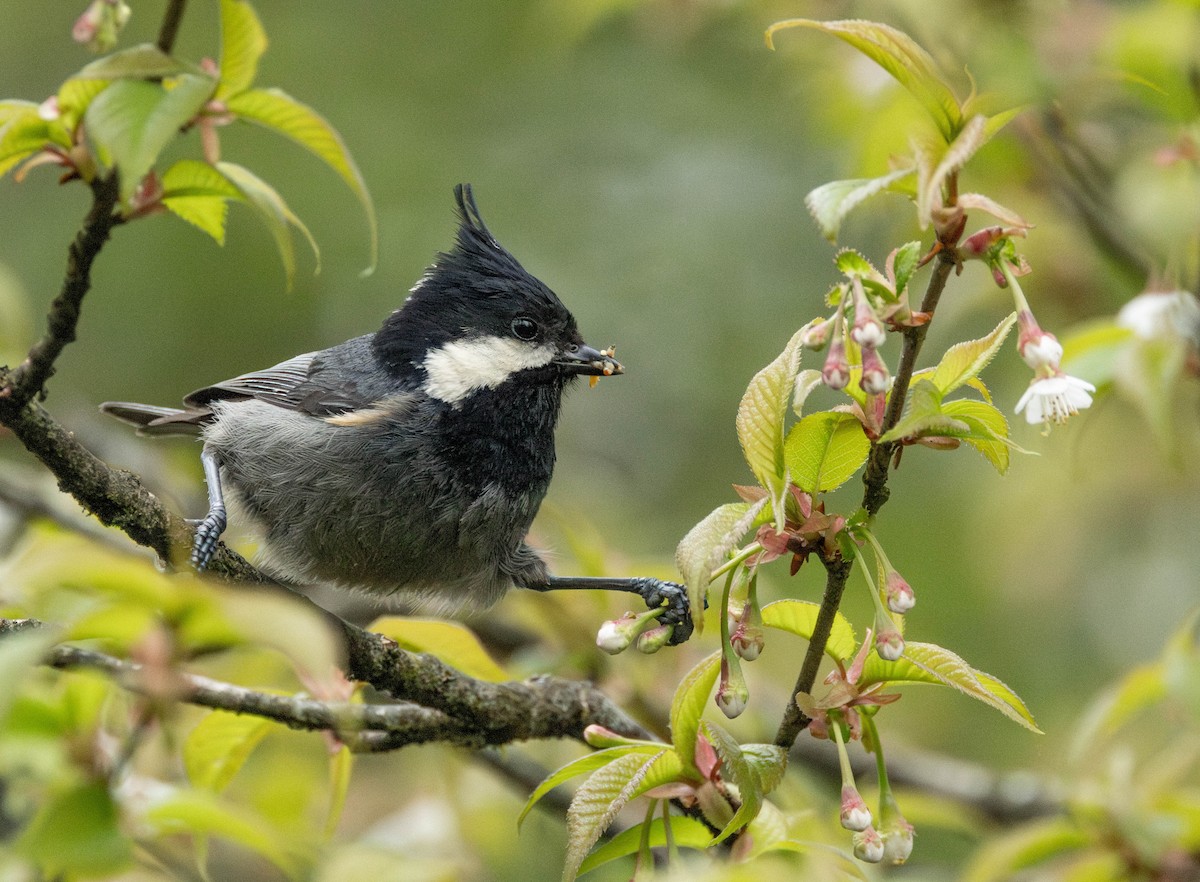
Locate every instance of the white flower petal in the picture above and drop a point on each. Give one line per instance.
(1055, 399)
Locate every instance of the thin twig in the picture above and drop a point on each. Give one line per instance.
(170, 25)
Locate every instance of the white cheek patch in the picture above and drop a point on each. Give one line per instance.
(459, 368)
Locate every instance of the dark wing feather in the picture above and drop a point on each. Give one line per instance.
(296, 384)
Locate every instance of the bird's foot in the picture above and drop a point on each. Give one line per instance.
(208, 533)
(673, 599)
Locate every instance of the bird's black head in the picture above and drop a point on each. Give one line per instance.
(477, 320)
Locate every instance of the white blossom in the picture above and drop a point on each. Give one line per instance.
(1055, 399)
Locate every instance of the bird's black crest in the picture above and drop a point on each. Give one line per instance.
(476, 246)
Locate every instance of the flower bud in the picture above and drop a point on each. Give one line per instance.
(900, 596)
(816, 334)
(732, 699)
(616, 635)
(100, 24)
(747, 641)
(868, 846)
(1041, 351)
(875, 378)
(889, 643)
(836, 372)
(868, 332)
(898, 842)
(654, 639)
(855, 814)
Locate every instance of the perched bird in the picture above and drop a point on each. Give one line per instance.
(412, 459)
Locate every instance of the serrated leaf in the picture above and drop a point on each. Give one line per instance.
(707, 544)
(196, 192)
(736, 769)
(851, 263)
(760, 422)
(685, 833)
(589, 762)
(929, 663)
(142, 62)
(281, 113)
(979, 202)
(688, 705)
(964, 361)
(824, 450)
(900, 56)
(74, 96)
(989, 429)
(219, 745)
(829, 204)
(904, 262)
(937, 162)
(597, 802)
(243, 42)
(131, 121)
(799, 617)
(453, 643)
(806, 382)
(207, 213)
(274, 212)
(767, 762)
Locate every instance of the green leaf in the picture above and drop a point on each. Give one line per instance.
(685, 833)
(767, 763)
(737, 770)
(589, 762)
(904, 262)
(453, 643)
(929, 663)
(988, 429)
(937, 161)
(824, 450)
(199, 194)
(243, 42)
(25, 133)
(900, 56)
(19, 654)
(806, 382)
(74, 96)
(688, 705)
(219, 745)
(77, 832)
(274, 212)
(1138, 690)
(142, 62)
(131, 121)
(829, 204)
(799, 617)
(1034, 843)
(707, 544)
(279, 112)
(965, 361)
(199, 813)
(852, 263)
(341, 765)
(598, 801)
(760, 420)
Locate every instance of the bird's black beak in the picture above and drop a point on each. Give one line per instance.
(588, 362)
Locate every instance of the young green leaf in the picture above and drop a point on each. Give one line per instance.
(243, 42)
(142, 62)
(589, 762)
(767, 763)
(131, 121)
(735, 768)
(598, 801)
(989, 429)
(274, 212)
(965, 361)
(685, 833)
(851, 263)
(453, 643)
(903, 263)
(341, 765)
(219, 745)
(824, 450)
(74, 96)
(1034, 843)
(281, 113)
(25, 133)
(760, 421)
(76, 833)
(900, 56)
(799, 617)
(936, 162)
(806, 382)
(929, 663)
(199, 194)
(707, 544)
(686, 708)
(829, 204)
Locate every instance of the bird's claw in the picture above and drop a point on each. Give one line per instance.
(677, 608)
(208, 533)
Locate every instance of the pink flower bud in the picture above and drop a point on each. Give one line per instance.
(747, 641)
(653, 640)
(836, 372)
(875, 375)
(616, 635)
(900, 596)
(816, 334)
(855, 814)
(868, 846)
(889, 644)
(732, 693)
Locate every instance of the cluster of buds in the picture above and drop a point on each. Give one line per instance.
(100, 24)
(644, 631)
(867, 331)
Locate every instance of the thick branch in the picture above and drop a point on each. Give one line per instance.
(28, 379)
(545, 707)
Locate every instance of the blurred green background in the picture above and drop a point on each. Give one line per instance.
(648, 160)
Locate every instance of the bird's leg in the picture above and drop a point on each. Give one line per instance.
(210, 528)
(670, 596)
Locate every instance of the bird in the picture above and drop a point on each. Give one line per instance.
(411, 460)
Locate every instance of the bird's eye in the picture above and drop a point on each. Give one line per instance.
(524, 328)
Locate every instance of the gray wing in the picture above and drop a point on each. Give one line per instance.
(303, 383)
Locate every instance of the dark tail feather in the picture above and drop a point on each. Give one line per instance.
(152, 420)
